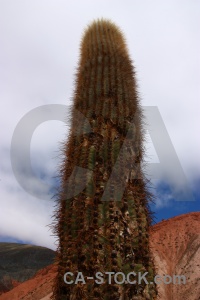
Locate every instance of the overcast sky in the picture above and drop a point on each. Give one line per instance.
(39, 52)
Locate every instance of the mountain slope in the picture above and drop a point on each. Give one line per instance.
(175, 245)
(19, 262)
(176, 248)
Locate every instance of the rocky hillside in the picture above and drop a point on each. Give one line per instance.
(38, 287)
(19, 262)
(176, 248)
(175, 245)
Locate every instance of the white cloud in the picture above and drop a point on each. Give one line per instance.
(23, 216)
(39, 54)
(163, 201)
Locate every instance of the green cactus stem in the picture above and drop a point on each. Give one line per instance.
(105, 227)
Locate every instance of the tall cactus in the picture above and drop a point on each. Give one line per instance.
(104, 227)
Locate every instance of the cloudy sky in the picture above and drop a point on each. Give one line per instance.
(39, 52)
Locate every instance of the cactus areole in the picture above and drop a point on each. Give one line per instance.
(103, 226)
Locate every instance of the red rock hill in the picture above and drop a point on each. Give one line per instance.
(175, 245)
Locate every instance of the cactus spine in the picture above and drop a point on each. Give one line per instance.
(107, 234)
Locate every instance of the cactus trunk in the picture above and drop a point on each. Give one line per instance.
(104, 228)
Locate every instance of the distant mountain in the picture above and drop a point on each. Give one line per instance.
(20, 262)
(175, 245)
